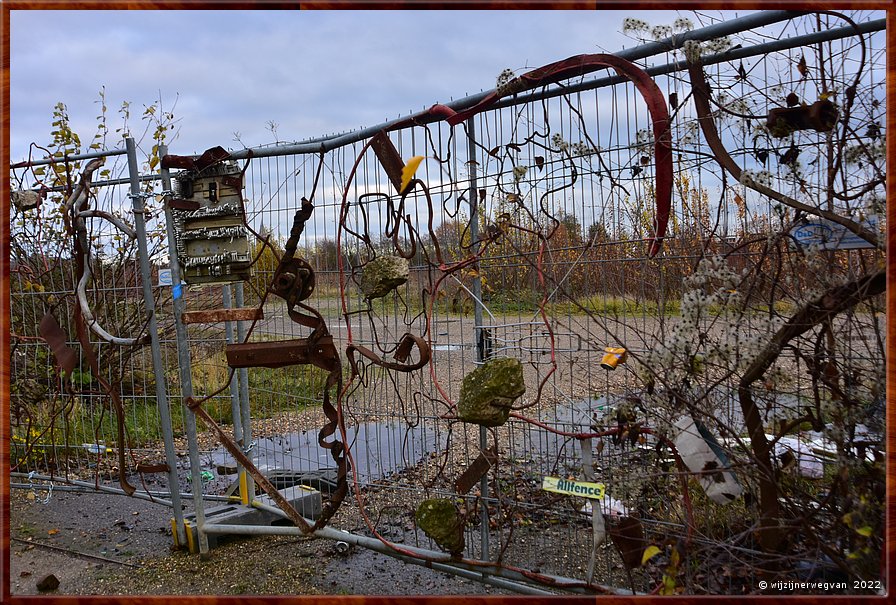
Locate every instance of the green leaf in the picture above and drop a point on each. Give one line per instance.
(865, 531)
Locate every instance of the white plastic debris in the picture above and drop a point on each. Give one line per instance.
(609, 506)
(703, 455)
(808, 463)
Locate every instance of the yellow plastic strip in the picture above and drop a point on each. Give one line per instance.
(244, 489)
(190, 544)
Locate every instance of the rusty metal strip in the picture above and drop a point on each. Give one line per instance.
(161, 467)
(87, 347)
(401, 355)
(186, 162)
(656, 105)
(388, 157)
(218, 315)
(477, 469)
(66, 357)
(195, 406)
(280, 354)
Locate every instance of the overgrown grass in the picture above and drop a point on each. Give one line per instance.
(75, 423)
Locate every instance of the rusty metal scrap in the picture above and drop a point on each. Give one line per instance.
(388, 157)
(219, 315)
(66, 357)
(477, 469)
(401, 355)
(281, 353)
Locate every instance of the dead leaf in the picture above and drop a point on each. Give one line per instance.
(628, 537)
(52, 532)
(792, 100)
(539, 162)
(802, 67)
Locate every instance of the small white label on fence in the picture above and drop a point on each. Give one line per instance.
(165, 277)
(831, 236)
(573, 488)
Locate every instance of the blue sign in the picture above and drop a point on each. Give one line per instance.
(832, 236)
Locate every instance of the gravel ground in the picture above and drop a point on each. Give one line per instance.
(113, 545)
(129, 543)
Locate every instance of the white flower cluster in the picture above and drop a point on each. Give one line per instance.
(683, 24)
(686, 347)
(690, 133)
(644, 140)
(558, 142)
(634, 25)
(658, 32)
(582, 148)
(504, 77)
(519, 172)
(694, 49)
(776, 91)
(756, 177)
(717, 45)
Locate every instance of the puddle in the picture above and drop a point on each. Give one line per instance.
(450, 347)
(378, 450)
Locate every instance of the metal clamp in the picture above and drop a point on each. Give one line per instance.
(34, 491)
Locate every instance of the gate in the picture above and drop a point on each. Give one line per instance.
(563, 331)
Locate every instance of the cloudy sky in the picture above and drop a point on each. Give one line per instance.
(309, 72)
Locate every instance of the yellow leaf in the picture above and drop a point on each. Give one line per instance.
(864, 531)
(649, 553)
(407, 173)
(52, 532)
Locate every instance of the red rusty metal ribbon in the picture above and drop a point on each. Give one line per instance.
(401, 355)
(66, 357)
(653, 96)
(185, 162)
(87, 346)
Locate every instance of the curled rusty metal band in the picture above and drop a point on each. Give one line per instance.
(405, 345)
(653, 96)
(83, 331)
(293, 281)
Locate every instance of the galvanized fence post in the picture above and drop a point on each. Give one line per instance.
(477, 320)
(184, 361)
(236, 410)
(247, 483)
(138, 208)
